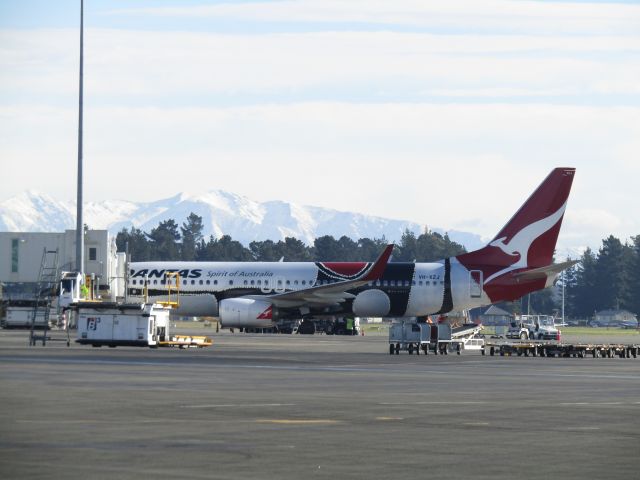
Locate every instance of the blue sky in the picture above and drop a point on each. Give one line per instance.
(446, 113)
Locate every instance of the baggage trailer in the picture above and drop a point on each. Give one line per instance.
(19, 314)
(565, 350)
(414, 337)
(186, 341)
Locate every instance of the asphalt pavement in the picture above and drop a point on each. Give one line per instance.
(293, 406)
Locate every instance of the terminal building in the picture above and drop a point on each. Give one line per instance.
(21, 255)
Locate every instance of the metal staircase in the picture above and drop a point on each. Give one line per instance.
(47, 283)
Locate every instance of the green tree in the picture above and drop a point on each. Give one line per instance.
(164, 241)
(612, 274)
(583, 293)
(633, 300)
(138, 245)
(265, 251)
(369, 250)
(294, 250)
(191, 236)
(224, 249)
(326, 248)
(407, 250)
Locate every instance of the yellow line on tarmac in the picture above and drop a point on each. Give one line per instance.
(284, 421)
(386, 419)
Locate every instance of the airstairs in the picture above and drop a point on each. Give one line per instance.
(46, 288)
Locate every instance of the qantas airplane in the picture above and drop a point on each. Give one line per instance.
(258, 294)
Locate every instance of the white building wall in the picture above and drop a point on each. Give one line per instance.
(100, 254)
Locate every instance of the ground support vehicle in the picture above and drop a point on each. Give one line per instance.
(466, 337)
(186, 341)
(20, 314)
(566, 350)
(533, 327)
(129, 324)
(414, 337)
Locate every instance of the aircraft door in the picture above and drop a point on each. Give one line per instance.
(475, 283)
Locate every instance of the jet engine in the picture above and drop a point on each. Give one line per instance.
(371, 303)
(246, 312)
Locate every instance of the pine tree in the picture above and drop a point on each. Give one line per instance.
(191, 236)
(326, 249)
(633, 293)
(137, 243)
(612, 274)
(164, 241)
(583, 293)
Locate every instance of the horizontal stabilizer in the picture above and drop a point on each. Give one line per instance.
(545, 272)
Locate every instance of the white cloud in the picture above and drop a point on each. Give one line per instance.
(496, 15)
(126, 64)
(444, 165)
(440, 133)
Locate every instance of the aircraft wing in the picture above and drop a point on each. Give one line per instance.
(331, 294)
(545, 272)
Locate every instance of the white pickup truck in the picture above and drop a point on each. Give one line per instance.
(533, 327)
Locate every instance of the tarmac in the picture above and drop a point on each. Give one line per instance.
(293, 406)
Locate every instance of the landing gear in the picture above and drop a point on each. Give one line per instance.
(307, 327)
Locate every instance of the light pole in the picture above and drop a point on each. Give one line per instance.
(563, 286)
(79, 220)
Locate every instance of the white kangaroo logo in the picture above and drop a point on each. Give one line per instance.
(521, 241)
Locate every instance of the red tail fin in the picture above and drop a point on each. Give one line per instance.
(529, 238)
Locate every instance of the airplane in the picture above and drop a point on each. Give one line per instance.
(517, 261)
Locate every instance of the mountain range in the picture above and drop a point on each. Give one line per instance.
(223, 213)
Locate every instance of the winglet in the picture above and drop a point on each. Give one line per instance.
(379, 265)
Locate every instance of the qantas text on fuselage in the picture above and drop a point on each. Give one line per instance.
(517, 261)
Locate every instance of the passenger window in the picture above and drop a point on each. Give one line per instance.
(215, 282)
(253, 282)
(259, 282)
(193, 282)
(230, 282)
(295, 282)
(246, 282)
(288, 282)
(304, 282)
(420, 283)
(384, 283)
(200, 282)
(208, 282)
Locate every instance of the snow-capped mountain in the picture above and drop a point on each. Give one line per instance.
(222, 213)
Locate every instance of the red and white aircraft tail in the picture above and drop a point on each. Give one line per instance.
(519, 259)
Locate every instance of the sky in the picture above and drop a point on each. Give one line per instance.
(444, 113)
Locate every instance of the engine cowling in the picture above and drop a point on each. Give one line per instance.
(372, 303)
(246, 312)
